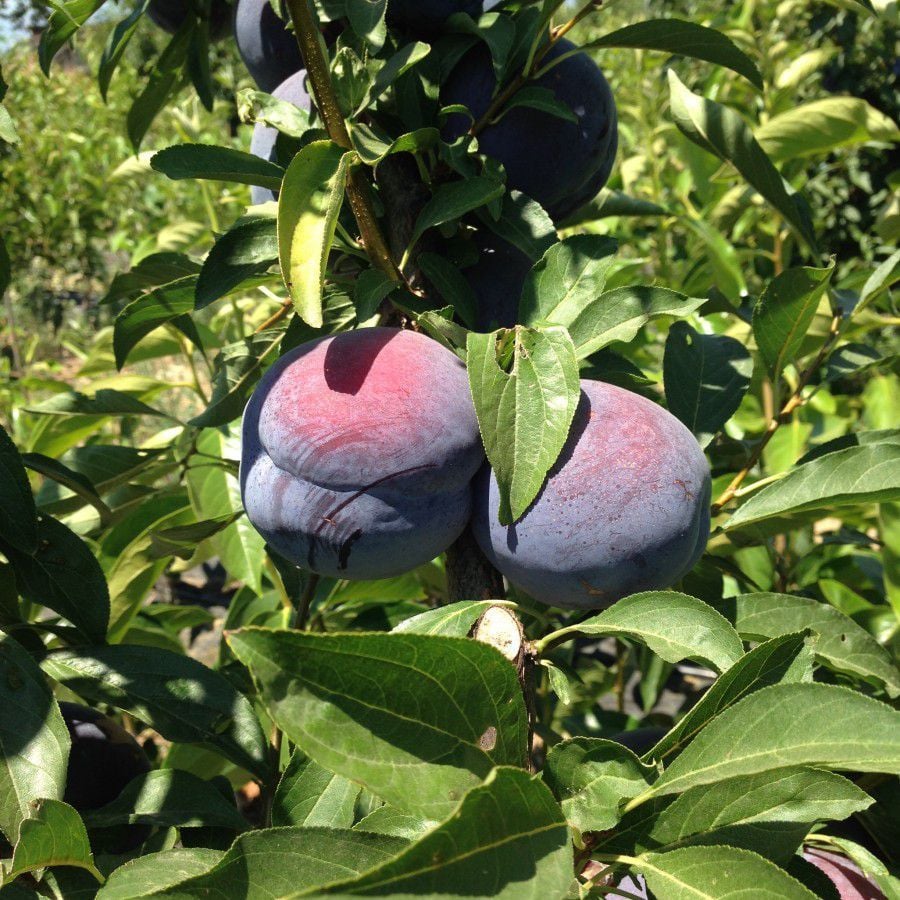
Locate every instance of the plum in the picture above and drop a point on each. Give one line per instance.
(624, 509)
(846, 876)
(497, 279)
(424, 17)
(262, 142)
(358, 453)
(171, 14)
(559, 163)
(269, 49)
(103, 759)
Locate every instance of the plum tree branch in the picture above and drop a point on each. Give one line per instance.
(359, 190)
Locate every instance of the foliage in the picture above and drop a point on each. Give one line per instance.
(369, 745)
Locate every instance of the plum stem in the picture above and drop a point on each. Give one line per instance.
(359, 190)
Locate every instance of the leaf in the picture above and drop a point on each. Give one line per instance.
(8, 131)
(34, 740)
(282, 862)
(402, 61)
(178, 696)
(674, 626)
(706, 377)
(116, 45)
(852, 359)
(842, 645)
(417, 719)
(683, 39)
(722, 132)
(866, 474)
(310, 795)
(524, 414)
(64, 576)
(371, 288)
(105, 402)
(152, 271)
(248, 248)
(18, 516)
(143, 876)
(452, 620)
(507, 840)
(206, 161)
(453, 200)
(308, 207)
(541, 98)
(789, 725)
(523, 223)
(717, 873)
(823, 126)
(785, 311)
(74, 481)
(64, 21)
(53, 836)
(168, 797)
(591, 778)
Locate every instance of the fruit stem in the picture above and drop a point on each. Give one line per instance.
(359, 190)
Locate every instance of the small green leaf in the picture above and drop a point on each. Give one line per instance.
(119, 39)
(403, 60)
(309, 795)
(452, 620)
(144, 876)
(74, 481)
(308, 208)
(65, 20)
(18, 516)
(541, 98)
(525, 413)
(207, 161)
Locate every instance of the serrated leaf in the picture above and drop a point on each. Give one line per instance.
(387, 820)
(308, 207)
(178, 696)
(507, 840)
(452, 620)
(34, 740)
(18, 516)
(784, 725)
(706, 377)
(454, 711)
(842, 645)
(524, 414)
(785, 311)
(866, 474)
(146, 875)
(210, 162)
(722, 132)
(64, 21)
(683, 39)
(309, 795)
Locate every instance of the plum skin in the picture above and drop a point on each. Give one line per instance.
(497, 279)
(170, 15)
(425, 16)
(269, 50)
(624, 509)
(358, 452)
(561, 164)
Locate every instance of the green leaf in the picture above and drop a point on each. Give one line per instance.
(283, 862)
(387, 820)
(842, 645)
(852, 359)
(866, 474)
(683, 39)
(523, 223)
(63, 575)
(402, 61)
(525, 413)
(372, 148)
(248, 248)
(53, 836)
(717, 873)
(310, 795)
(591, 778)
(773, 662)
(105, 402)
(308, 207)
(152, 271)
(417, 719)
(168, 797)
(722, 132)
(706, 377)
(674, 626)
(8, 131)
(785, 311)
(146, 875)
(18, 516)
(541, 98)
(371, 288)
(507, 840)
(34, 740)
(452, 620)
(74, 481)
(789, 725)
(178, 696)
(260, 107)
(823, 126)
(118, 41)
(207, 161)
(65, 20)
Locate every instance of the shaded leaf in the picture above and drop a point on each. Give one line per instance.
(309, 795)
(206, 161)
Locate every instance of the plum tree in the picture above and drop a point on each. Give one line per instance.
(560, 163)
(426, 16)
(269, 49)
(170, 15)
(847, 877)
(624, 509)
(263, 142)
(103, 759)
(497, 279)
(358, 453)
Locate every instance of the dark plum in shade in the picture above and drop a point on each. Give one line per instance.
(426, 16)
(262, 142)
(269, 49)
(559, 163)
(624, 509)
(358, 453)
(170, 15)
(497, 280)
